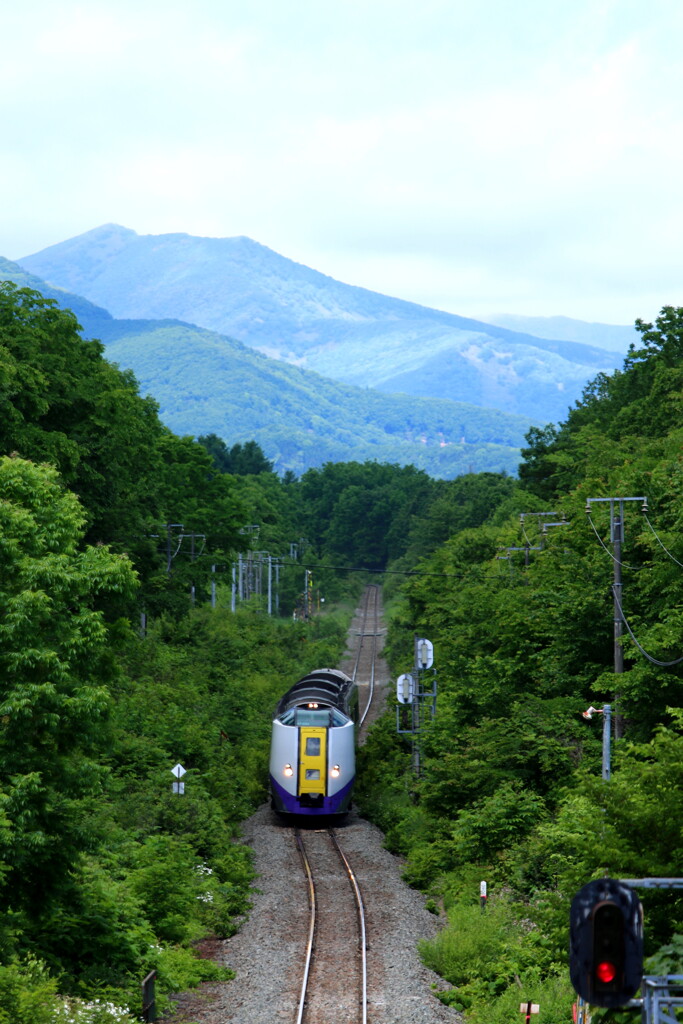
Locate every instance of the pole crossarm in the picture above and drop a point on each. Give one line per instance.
(659, 1001)
(655, 883)
(641, 499)
(539, 515)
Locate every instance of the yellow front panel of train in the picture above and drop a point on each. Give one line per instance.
(312, 760)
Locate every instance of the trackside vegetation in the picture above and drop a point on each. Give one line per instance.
(120, 657)
(510, 789)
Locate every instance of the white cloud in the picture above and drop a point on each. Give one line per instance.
(523, 157)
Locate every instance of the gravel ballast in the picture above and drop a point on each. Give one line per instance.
(267, 953)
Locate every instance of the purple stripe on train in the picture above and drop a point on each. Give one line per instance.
(287, 803)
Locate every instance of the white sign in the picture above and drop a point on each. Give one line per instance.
(425, 653)
(178, 771)
(179, 787)
(405, 688)
(482, 890)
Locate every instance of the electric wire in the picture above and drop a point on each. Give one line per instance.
(398, 572)
(526, 538)
(655, 661)
(661, 544)
(625, 565)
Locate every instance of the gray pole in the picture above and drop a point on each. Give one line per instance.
(270, 585)
(233, 589)
(213, 586)
(192, 588)
(617, 535)
(416, 712)
(606, 731)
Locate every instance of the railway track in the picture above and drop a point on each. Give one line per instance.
(334, 985)
(334, 980)
(366, 653)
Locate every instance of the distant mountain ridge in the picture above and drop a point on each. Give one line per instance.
(244, 290)
(615, 337)
(208, 383)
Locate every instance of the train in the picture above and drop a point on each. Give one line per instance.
(313, 746)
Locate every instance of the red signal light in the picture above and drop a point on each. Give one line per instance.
(605, 971)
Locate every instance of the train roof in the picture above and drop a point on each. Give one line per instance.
(327, 686)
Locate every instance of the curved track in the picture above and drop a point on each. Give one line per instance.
(366, 654)
(334, 985)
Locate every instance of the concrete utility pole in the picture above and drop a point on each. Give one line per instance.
(616, 506)
(606, 712)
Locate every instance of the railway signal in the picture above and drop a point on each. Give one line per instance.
(405, 688)
(606, 943)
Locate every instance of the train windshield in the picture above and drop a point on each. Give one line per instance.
(321, 717)
(307, 716)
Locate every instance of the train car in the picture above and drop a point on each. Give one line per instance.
(312, 751)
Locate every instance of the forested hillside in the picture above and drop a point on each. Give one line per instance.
(207, 383)
(242, 289)
(510, 788)
(120, 659)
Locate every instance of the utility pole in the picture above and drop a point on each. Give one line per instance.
(606, 712)
(616, 507)
(169, 556)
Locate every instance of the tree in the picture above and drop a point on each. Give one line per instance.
(55, 666)
(61, 402)
(242, 459)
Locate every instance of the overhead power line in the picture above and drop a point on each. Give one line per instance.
(395, 572)
(617, 561)
(655, 661)
(672, 557)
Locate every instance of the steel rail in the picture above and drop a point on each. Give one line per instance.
(374, 589)
(362, 631)
(311, 928)
(361, 926)
(360, 912)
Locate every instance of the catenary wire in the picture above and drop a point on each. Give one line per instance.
(397, 572)
(624, 565)
(655, 661)
(661, 544)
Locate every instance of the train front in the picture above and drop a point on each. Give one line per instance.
(312, 754)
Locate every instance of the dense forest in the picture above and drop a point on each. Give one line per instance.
(121, 657)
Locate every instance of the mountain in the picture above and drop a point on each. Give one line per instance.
(615, 337)
(207, 383)
(237, 287)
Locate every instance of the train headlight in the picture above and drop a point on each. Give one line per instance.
(288, 770)
(335, 772)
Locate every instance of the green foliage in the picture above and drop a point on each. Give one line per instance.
(495, 960)
(93, 842)
(510, 787)
(55, 657)
(242, 460)
(360, 513)
(27, 993)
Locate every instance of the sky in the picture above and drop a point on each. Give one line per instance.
(492, 157)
